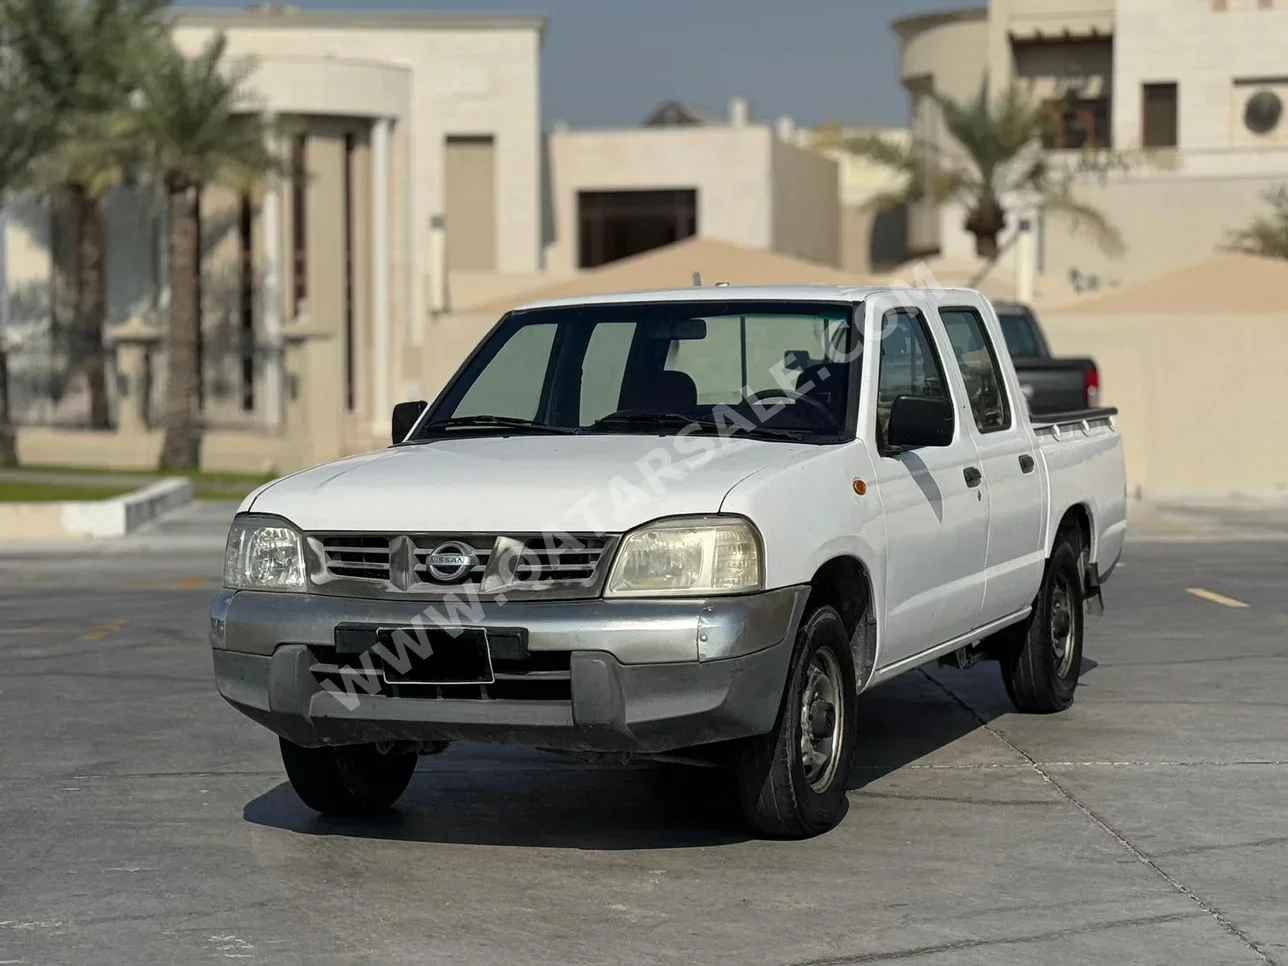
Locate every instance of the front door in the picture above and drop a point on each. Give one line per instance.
(935, 503)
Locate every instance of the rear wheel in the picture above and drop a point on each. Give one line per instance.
(792, 781)
(349, 780)
(1041, 658)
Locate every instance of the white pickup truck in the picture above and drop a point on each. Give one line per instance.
(687, 525)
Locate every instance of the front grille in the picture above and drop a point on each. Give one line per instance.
(540, 563)
(401, 562)
(357, 556)
(534, 676)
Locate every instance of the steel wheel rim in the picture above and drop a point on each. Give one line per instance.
(1063, 625)
(822, 719)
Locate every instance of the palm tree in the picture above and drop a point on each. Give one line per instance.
(84, 57)
(999, 161)
(193, 126)
(1267, 235)
(24, 121)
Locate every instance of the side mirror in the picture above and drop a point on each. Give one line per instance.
(406, 415)
(917, 421)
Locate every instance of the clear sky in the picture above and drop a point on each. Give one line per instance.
(607, 62)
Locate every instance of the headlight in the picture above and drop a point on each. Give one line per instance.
(688, 557)
(263, 555)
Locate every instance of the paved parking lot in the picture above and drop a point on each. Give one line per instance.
(144, 821)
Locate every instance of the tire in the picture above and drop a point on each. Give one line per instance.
(1041, 658)
(777, 795)
(351, 780)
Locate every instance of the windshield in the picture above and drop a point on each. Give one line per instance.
(775, 370)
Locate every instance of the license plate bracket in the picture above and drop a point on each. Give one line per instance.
(457, 655)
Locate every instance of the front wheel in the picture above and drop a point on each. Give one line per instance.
(792, 781)
(350, 780)
(1042, 658)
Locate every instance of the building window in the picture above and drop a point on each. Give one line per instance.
(617, 224)
(245, 226)
(299, 226)
(1159, 129)
(470, 189)
(1080, 123)
(350, 342)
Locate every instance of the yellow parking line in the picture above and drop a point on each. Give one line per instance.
(191, 583)
(98, 633)
(1215, 597)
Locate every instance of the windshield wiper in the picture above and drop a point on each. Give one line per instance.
(494, 422)
(640, 418)
(659, 420)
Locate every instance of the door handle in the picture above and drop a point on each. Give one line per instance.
(1026, 463)
(973, 475)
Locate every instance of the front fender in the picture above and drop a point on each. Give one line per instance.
(809, 512)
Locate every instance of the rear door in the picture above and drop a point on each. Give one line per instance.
(1007, 455)
(936, 511)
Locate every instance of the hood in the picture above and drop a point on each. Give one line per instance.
(521, 484)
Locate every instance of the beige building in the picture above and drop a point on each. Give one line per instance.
(622, 191)
(874, 236)
(427, 187)
(420, 137)
(1191, 92)
(433, 203)
(945, 53)
(1193, 359)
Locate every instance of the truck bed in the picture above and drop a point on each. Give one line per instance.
(1083, 458)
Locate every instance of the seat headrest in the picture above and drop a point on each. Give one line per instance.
(667, 391)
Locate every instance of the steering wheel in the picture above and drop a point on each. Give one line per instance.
(755, 399)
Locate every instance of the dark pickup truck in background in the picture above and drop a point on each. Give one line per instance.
(1051, 384)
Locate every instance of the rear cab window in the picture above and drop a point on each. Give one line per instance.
(980, 369)
(753, 354)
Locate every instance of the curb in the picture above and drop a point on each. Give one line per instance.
(86, 547)
(124, 514)
(94, 519)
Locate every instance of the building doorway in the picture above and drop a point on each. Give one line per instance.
(618, 224)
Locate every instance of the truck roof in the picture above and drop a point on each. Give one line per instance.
(737, 293)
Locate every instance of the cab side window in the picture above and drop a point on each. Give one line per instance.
(981, 371)
(909, 364)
